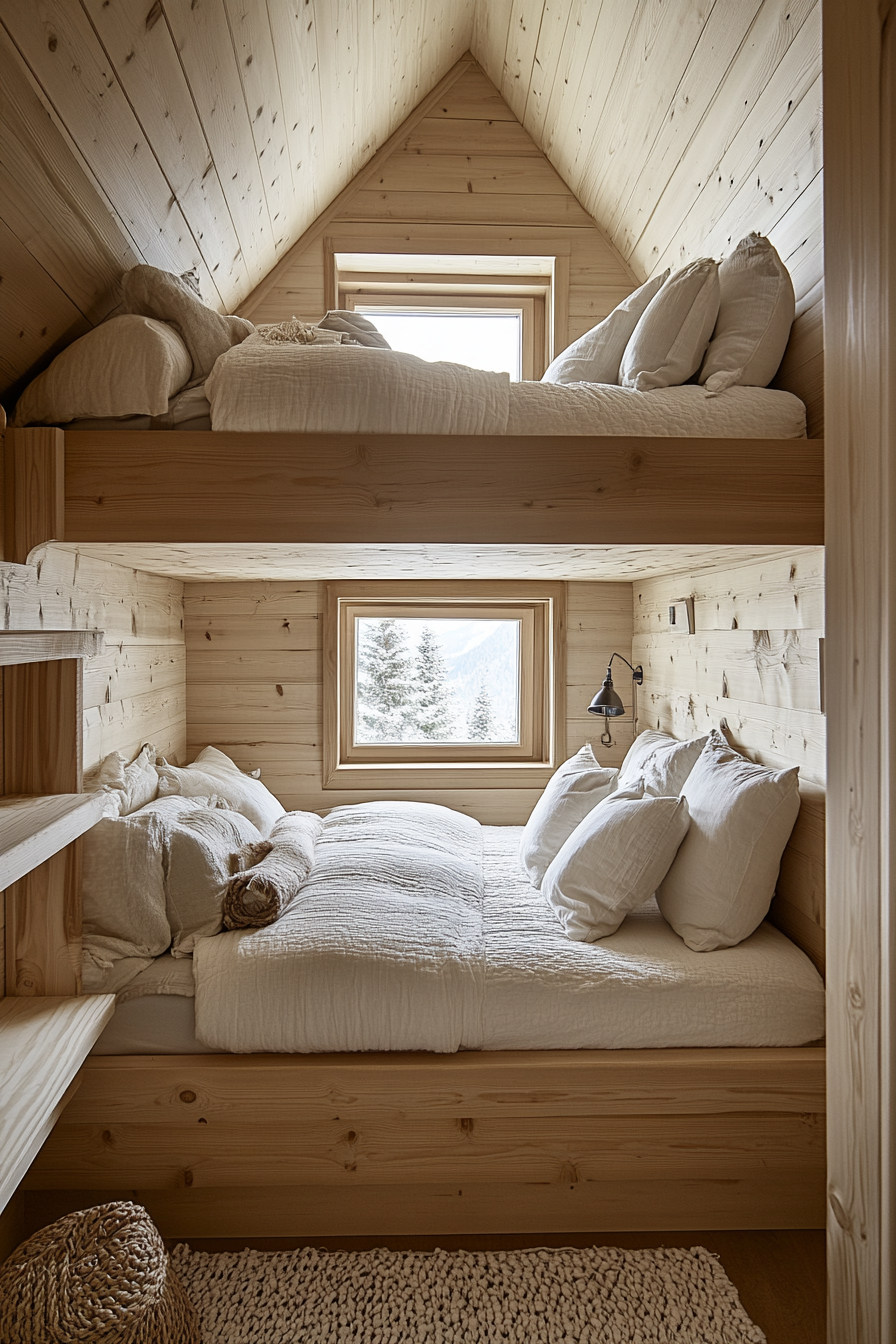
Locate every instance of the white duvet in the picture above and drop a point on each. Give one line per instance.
(347, 389)
(414, 935)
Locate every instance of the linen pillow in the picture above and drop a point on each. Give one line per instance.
(570, 793)
(129, 786)
(755, 316)
(124, 912)
(661, 761)
(130, 365)
(669, 342)
(214, 773)
(722, 882)
(271, 874)
(596, 356)
(206, 333)
(614, 861)
(199, 846)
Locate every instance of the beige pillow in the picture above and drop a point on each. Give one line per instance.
(614, 861)
(130, 365)
(669, 342)
(569, 795)
(199, 846)
(129, 786)
(661, 761)
(125, 918)
(722, 882)
(596, 356)
(755, 316)
(172, 298)
(215, 773)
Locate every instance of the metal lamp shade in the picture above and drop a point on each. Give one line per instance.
(607, 702)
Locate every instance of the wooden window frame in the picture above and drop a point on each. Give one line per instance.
(542, 608)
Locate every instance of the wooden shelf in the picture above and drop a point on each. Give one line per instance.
(34, 829)
(43, 1043)
(43, 646)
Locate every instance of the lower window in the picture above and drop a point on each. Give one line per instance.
(440, 685)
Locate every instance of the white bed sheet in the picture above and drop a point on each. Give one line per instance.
(348, 389)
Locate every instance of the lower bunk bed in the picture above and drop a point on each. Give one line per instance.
(663, 1115)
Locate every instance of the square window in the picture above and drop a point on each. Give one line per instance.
(442, 684)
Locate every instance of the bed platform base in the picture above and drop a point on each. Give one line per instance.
(542, 1141)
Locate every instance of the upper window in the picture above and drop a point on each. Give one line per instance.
(488, 311)
(425, 680)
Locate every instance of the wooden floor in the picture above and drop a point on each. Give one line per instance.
(780, 1276)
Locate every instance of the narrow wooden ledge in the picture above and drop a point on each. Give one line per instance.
(43, 1043)
(44, 646)
(32, 830)
(453, 489)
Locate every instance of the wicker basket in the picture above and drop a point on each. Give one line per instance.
(100, 1276)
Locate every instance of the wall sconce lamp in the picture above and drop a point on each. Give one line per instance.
(607, 701)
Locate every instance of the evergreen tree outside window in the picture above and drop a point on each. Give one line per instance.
(482, 720)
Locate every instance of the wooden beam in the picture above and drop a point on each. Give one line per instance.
(339, 203)
(32, 830)
(41, 646)
(200, 487)
(33, 491)
(42, 715)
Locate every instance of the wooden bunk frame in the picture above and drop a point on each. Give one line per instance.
(542, 1141)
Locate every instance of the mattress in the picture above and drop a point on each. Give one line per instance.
(639, 988)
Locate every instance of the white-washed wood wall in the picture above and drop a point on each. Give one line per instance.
(680, 128)
(135, 691)
(254, 687)
(467, 177)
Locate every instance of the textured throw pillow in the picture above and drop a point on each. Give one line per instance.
(271, 874)
(129, 786)
(614, 861)
(130, 365)
(199, 847)
(596, 356)
(669, 342)
(214, 773)
(206, 333)
(125, 918)
(755, 316)
(570, 793)
(661, 761)
(722, 882)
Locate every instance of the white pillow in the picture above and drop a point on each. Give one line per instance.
(214, 773)
(661, 761)
(125, 918)
(614, 861)
(199, 846)
(570, 793)
(755, 316)
(129, 786)
(130, 365)
(668, 344)
(596, 356)
(722, 882)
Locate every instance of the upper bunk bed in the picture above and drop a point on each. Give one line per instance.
(302, 434)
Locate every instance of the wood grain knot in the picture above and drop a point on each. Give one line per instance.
(188, 1096)
(465, 1126)
(188, 1177)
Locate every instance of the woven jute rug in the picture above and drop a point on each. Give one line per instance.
(595, 1296)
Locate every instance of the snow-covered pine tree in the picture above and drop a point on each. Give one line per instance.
(433, 710)
(482, 720)
(385, 700)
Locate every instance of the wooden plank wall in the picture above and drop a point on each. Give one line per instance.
(135, 691)
(680, 128)
(753, 669)
(254, 687)
(467, 178)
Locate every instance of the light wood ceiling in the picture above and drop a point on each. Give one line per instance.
(227, 563)
(212, 133)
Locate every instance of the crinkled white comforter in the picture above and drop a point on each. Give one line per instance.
(406, 939)
(347, 390)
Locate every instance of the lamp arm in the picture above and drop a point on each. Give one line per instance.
(637, 672)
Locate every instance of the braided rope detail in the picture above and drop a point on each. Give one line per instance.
(98, 1276)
